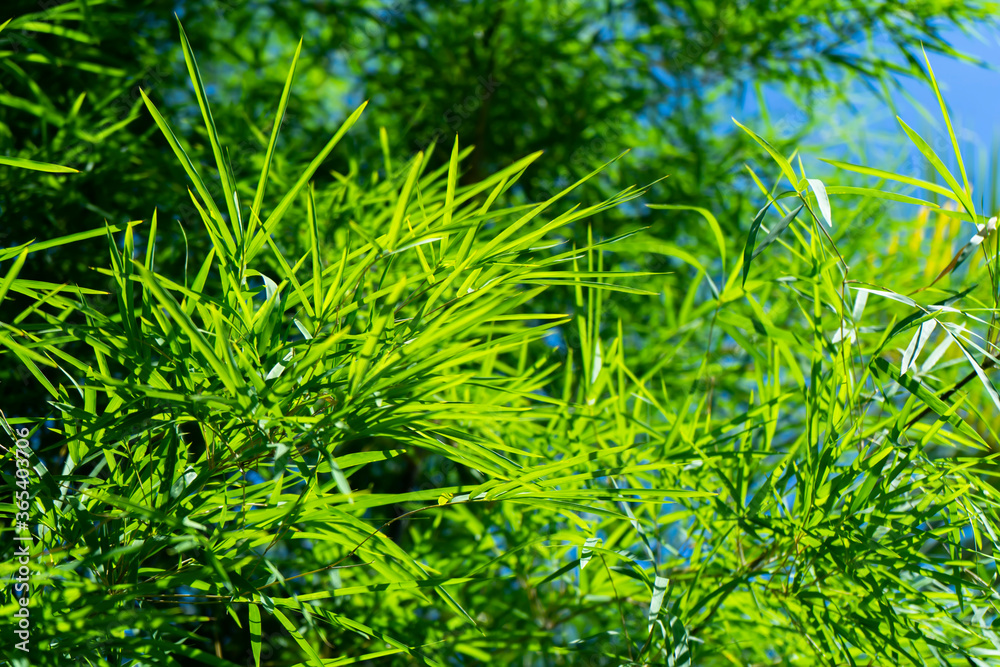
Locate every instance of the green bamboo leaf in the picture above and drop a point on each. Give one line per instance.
(28, 357)
(449, 198)
(36, 166)
(258, 198)
(748, 247)
(228, 186)
(988, 385)
(958, 193)
(404, 198)
(274, 218)
(487, 249)
(781, 160)
(951, 131)
(656, 601)
(916, 345)
(192, 173)
(776, 231)
(885, 369)
(314, 658)
(255, 633)
(879, 194)
(12, 272)
(587, 552)
(890, 176)
(823, 199)
(232, 381)
(713, 224)
(33, 246)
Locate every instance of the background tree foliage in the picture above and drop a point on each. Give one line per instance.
(338, 401)
(581, 81)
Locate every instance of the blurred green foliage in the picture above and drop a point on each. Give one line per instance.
(351, 403)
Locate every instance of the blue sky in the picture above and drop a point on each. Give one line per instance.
(874, 136)
(972, 94)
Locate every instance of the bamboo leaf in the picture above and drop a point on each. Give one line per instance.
(22, 163)
(781, 160)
